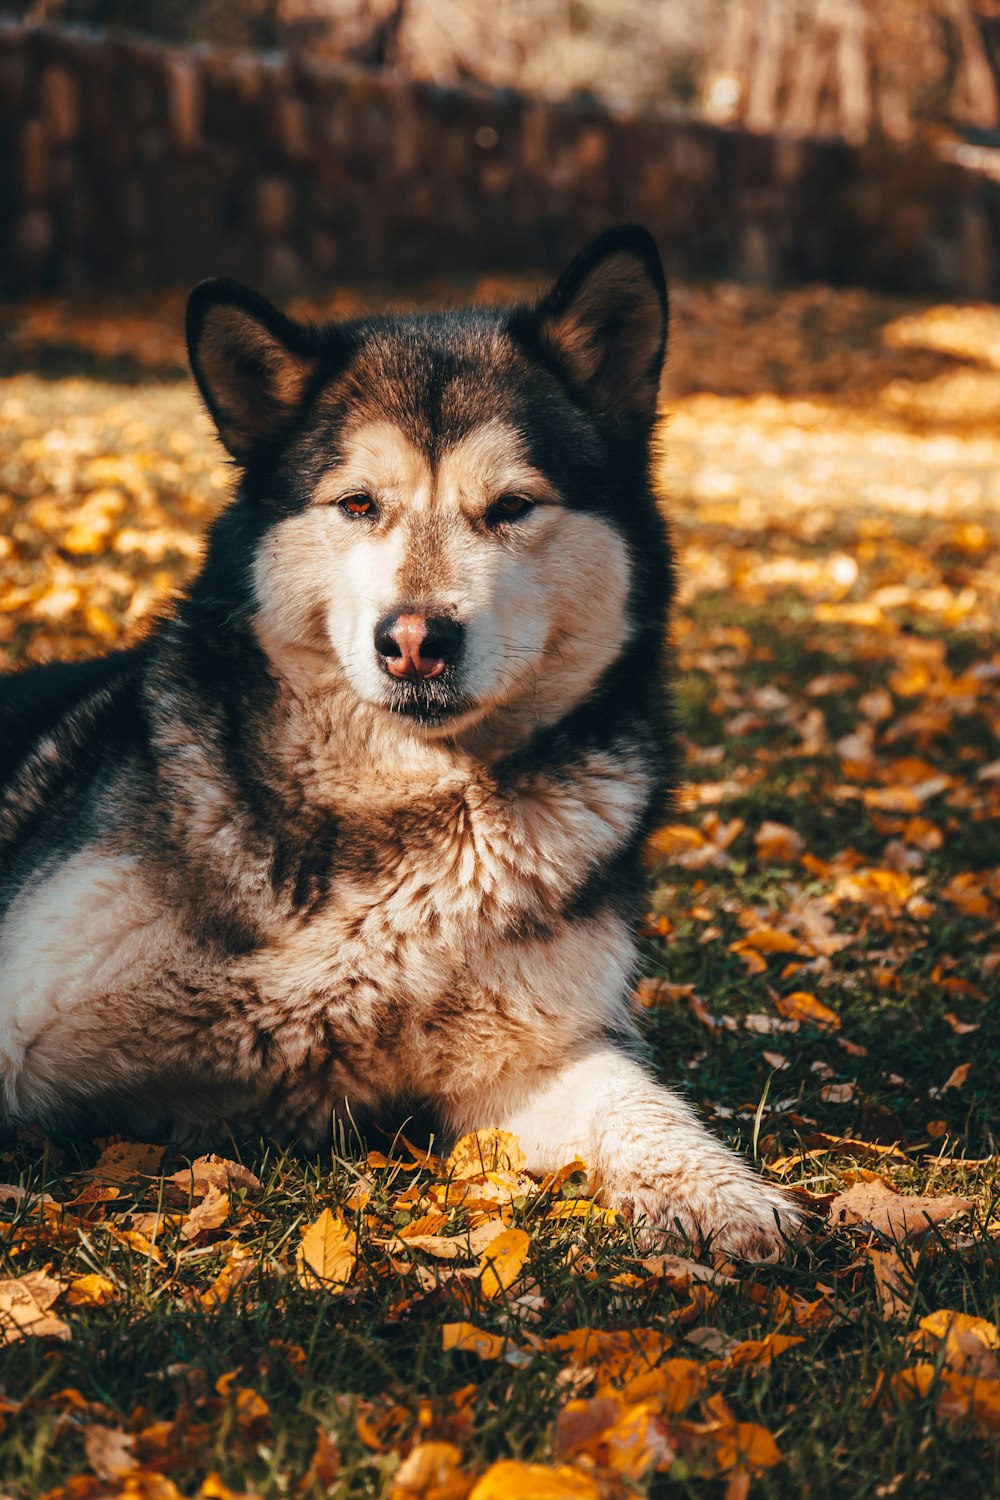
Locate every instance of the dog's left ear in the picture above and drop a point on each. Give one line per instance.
(604, 323)
(252, 364)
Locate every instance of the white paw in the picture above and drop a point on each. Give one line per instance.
(732, 1211)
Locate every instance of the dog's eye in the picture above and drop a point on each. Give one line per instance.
(358, 505)
(508, 508)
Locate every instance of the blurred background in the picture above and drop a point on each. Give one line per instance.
(834, 66)
(289, 141)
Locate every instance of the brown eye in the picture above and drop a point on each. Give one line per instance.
(358, 505)
(508, 508)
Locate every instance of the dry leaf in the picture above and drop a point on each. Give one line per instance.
(778, 842)
(510, 1480)
(109, 1451)
(431, 1471)
(960, 1399)
(956, 1078)
(471, 1340)
(207, 1172)
(211, 1213)
(92, 1290)
(801, 1006)
(501, 1262)
(483, 1151)
(893, 1283)
(124, 1161)
(327, 1255)
(324, 1466)
(872, 1202)
(627, 1438)
(241, 1265)
(24, 1308)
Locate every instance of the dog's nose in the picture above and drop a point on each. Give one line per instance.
(411, 645)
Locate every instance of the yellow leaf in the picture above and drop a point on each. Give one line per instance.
(612, 1434)
(944, 1321)
(801, 1006)
(761, 1352)
(485, 1151)
(581, 1208)
(501, 1262)
(90, 1291)
(958, 1398)
(469, 1339)
(135, 1241)
(430, 1471)
(240, 1266)
(747, 1445)
(427, 1225)
(124, 1161)
(327, 1255)
(510, 1480)
(970, 1345)
(441, 1246)
(768, 940)
(674, 838)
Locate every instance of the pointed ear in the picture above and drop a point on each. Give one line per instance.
(252, 364)
(604, 323)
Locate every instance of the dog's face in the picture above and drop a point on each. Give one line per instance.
(451, 506)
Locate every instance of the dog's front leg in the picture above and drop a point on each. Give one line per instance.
(654, 1161)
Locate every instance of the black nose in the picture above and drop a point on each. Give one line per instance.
(415, 645)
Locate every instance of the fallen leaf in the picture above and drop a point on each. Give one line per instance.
(761, 1352)
(778, 842)
(431, 1471)
(124, 1161)
(959, 1399)
(893, 1283)
(627, 1438)
(510, 1480)
(24, 1308)
(211, 1213)
(324, 1466)
(468, 1339)
(485, 1151)
(110, 1451)
(207, 1172)
(956, 1078)
(240, 1266)
(327, 1255)
(501, 1262)
(800, 1005)
(92, 1290)
(873, 1202)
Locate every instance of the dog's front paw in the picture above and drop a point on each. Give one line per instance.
(735, 1213)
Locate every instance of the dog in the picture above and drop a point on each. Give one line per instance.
(358, 827)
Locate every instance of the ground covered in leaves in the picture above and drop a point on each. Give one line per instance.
(822, 963)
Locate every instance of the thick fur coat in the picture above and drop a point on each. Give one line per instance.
(358, 827)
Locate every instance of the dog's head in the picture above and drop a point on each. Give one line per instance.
(450, 511)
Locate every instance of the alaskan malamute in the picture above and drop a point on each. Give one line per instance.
(359, 826)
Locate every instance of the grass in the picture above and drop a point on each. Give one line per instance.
(772, 632)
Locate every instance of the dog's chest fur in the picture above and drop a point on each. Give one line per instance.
(422, 947)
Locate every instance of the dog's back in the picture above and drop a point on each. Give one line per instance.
(36, 701)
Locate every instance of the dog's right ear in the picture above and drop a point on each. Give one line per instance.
(252, 364)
